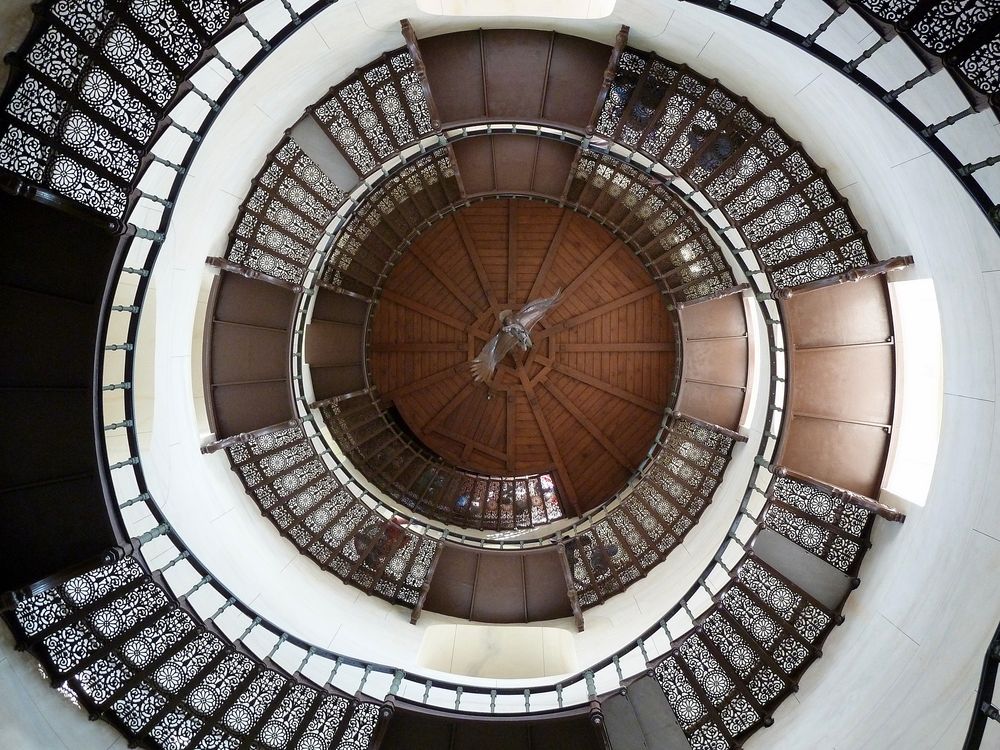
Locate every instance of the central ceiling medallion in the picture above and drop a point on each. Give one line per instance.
(518, 338)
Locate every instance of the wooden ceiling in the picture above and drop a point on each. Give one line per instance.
(585, 402)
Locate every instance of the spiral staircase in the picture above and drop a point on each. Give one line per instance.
(772, 375)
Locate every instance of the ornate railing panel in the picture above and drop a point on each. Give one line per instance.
(672, 243)
(665, 503)
(419, 480)
(785, 208)
(725, 676)
(283, 219)
(295, 489)
(961, 37)
(120, 643)
(818, 521)
(89, 92)
(377, 112)
(372, 238)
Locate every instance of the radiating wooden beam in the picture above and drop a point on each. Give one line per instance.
(430, 312)
(512, 254)
(550, 254)
(607, 443)
(437, 377)
(420, 346)
(446, 280)
(589, 271)
(601, 385)
(550, 442)
(647, 291)
(477, 263)
(620, 347)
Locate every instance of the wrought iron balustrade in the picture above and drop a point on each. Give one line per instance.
(959, 38)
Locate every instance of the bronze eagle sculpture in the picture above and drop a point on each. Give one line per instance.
(515, 331)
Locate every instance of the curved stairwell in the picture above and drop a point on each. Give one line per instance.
(142, 659)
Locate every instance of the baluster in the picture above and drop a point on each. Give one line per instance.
(966, 169)
(165, 162)
(204, 579)
(182, 556)
(527, 700)
(364, 677)
(277, 645)
(642, 649)
(137, 499)
(951, 120)
(766, 20)
(458, 696)
(891, 96)
(225, 605)
(493, 700)
(853, 64)
(811, 39)
(336, 668)
(189, 133)
(305, 659)
(427, 690)
(253, 623)
(265, 45)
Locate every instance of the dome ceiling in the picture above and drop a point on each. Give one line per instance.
(584, 402)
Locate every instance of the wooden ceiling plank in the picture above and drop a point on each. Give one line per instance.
(550, 255)
(620, 347)
(512, 253)
(591, 268)
(439, 419)
(416, 385)
(446, 281)
(550, 442)
(576, 320)
(607, 443)
(477, 263)
(420, 346)
(426, 310)
(607, 387)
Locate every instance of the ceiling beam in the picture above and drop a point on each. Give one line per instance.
(607, 387)
(550, 441)
(550, 254)
(607, 443)
(477, 263)
(646, 291)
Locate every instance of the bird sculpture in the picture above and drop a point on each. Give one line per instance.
(515, 331)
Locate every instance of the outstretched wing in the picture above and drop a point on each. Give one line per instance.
(492, 353)
(532, 312)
